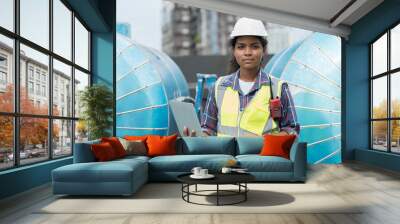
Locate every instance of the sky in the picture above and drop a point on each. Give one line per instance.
(145, 20)
(34, 26)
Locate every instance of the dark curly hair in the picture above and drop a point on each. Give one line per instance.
(233, 65)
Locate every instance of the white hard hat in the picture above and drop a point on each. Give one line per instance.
(248, 27)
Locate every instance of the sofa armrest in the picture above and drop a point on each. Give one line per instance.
(83, 153)
(298, 156)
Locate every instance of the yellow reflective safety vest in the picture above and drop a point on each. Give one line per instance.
(254, 120)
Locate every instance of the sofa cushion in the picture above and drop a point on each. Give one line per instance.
(249, 145)
(131, 158)
(112, 171)
(185, 163)
(257, 163)
(206, 145)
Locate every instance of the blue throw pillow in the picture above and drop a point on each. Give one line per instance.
(83, 153)
(207, 145)
(249, 145)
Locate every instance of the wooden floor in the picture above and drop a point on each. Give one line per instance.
(378, 188)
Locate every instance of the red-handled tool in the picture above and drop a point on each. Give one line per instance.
(275, 108)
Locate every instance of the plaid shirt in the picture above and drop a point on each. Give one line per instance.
(288, 122)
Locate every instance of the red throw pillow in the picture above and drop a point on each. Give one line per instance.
(116, 145)
(277, 145)
(161, 145)
(103, 151)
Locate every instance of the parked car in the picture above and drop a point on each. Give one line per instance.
(22, 155)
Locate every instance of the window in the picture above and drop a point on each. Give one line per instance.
(385, 94)
(62, 129)
(33, 149)
(7, 141)
(3, 72)
(3, 61)
(37, 74)
(7, 14)
(6, 73)
(3, 78)
(30, 87)
(62, 29)
(43, 90)
(34, 21)
(38, 89)
(55, 102)
(81, 45)
(81, 81)
(54, 126)
(30, 72)
(62, 76)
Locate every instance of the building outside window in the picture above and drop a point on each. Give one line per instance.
(44, 77)
(38, 75)
(3, 78)
(55, 96)
(30, 87)
(38, 89)
(30, 72)
(43, 90)
(385, 91)
(3, 61)
(35, 78)
(3, 71)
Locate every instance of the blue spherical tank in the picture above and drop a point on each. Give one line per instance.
(146, 80)
(312, 68)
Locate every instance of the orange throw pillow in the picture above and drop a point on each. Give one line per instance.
(116, 145)
(103, 151)
(277, 145)
(161, 145)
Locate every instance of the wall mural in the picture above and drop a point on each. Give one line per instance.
(312, 68)
(148, 79)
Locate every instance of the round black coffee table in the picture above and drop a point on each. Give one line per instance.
(238, 179)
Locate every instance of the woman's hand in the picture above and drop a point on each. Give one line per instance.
(192, 133)
(187, 132)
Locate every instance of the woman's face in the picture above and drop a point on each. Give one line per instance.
(248, 52)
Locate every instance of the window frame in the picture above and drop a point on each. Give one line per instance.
(16, 114)
(388, 74)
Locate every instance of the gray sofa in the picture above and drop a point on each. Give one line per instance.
(125, 176)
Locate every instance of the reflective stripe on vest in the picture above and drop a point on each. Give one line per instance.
(254, 120)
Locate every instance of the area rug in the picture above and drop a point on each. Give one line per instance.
(167, 198)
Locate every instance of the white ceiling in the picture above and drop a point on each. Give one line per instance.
(324, 16)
